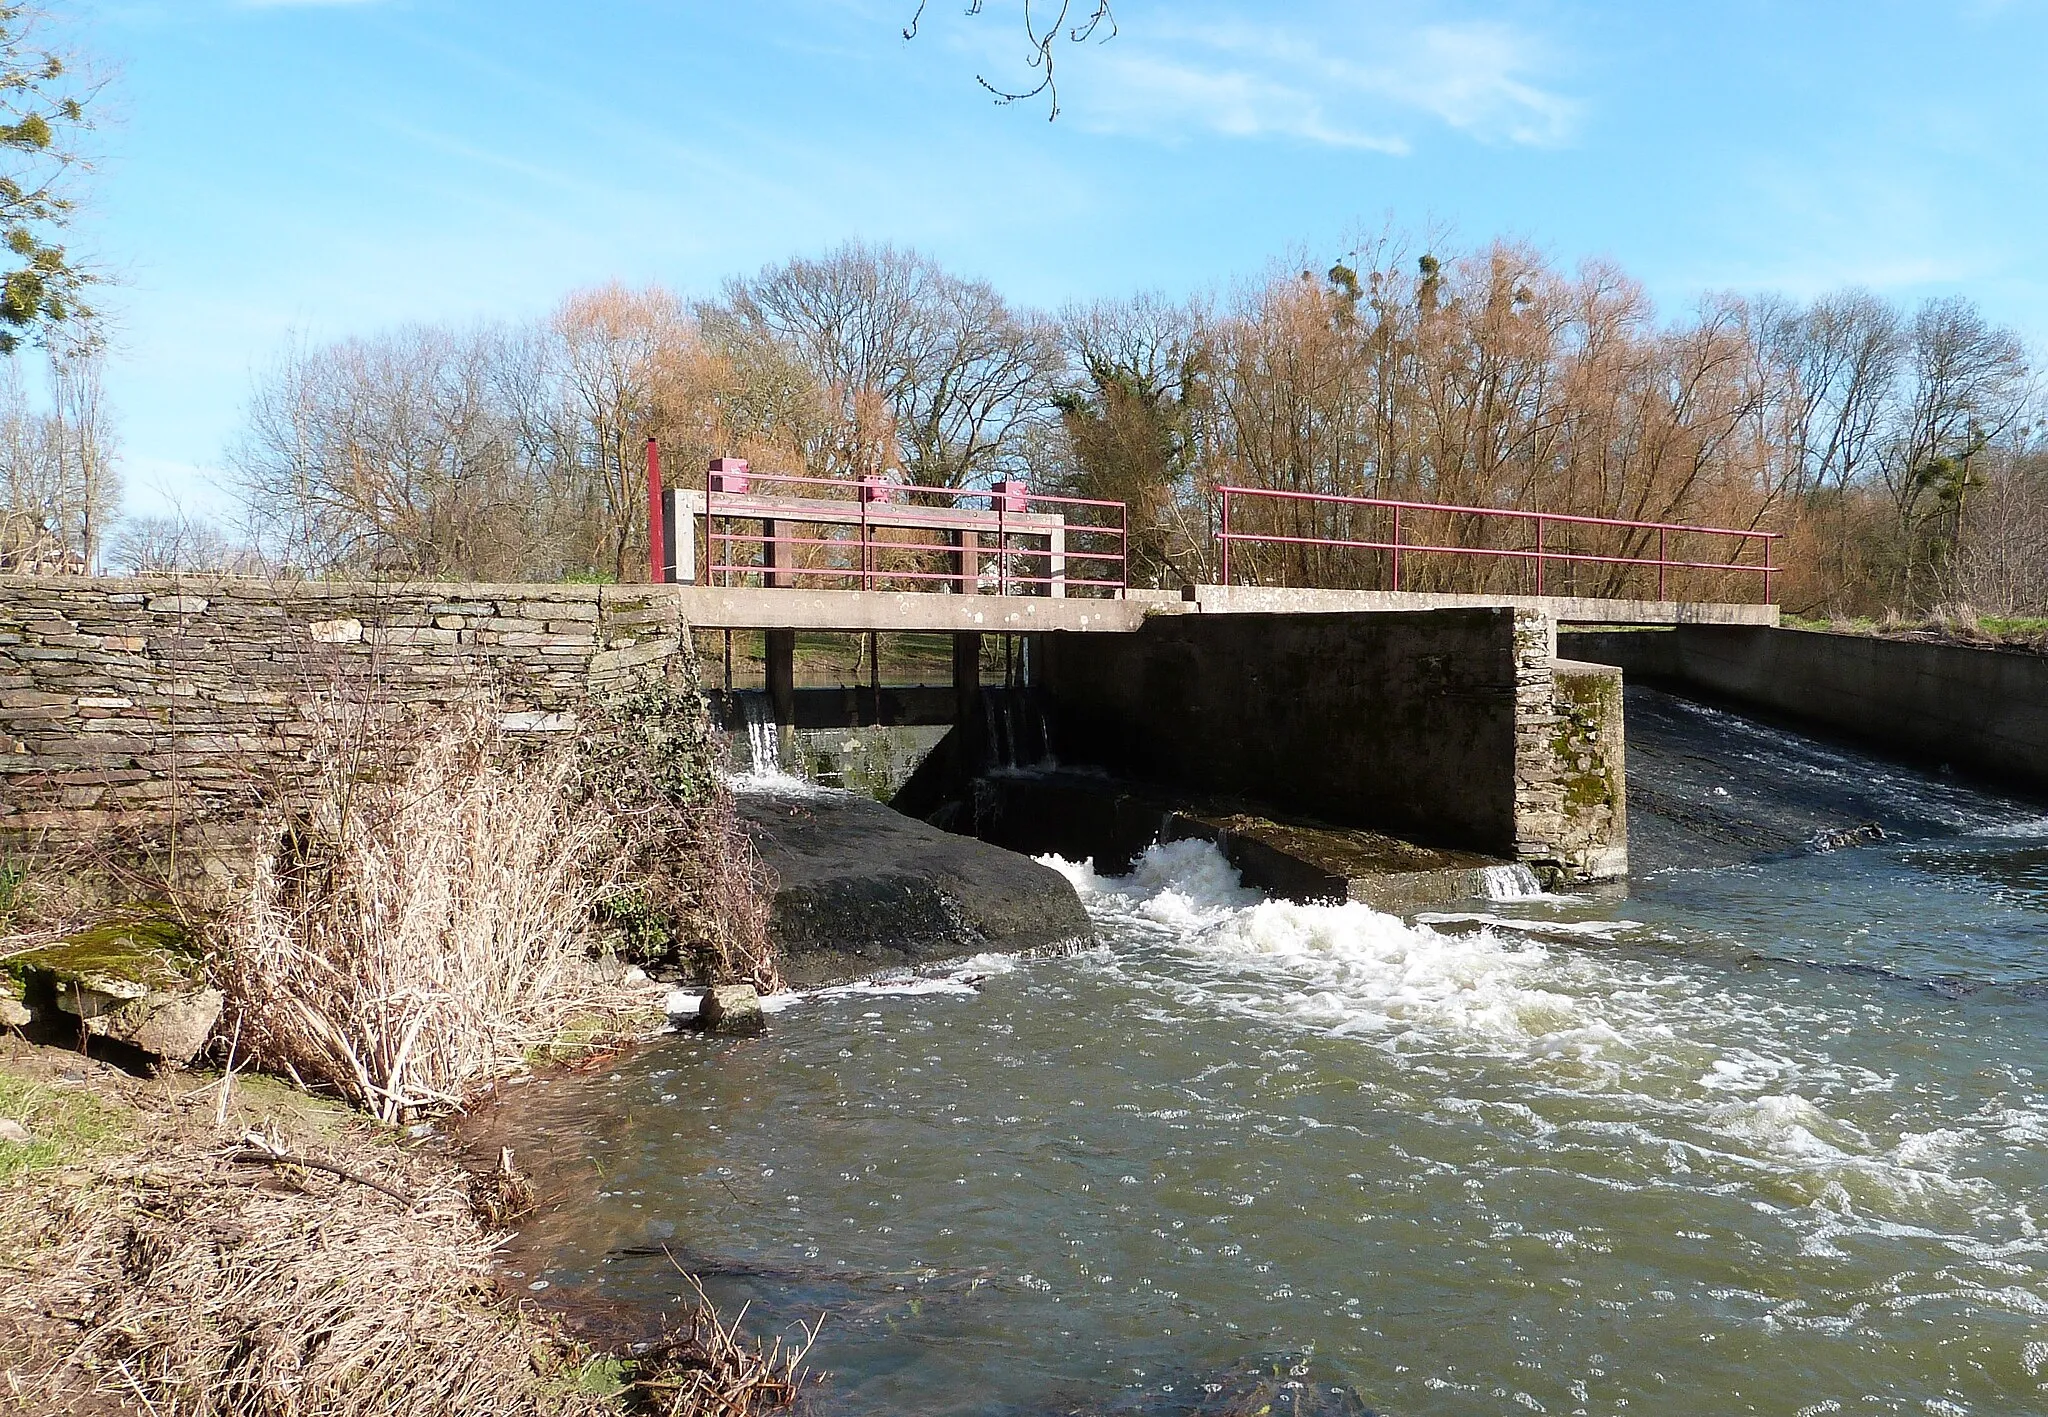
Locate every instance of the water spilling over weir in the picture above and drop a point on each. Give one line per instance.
(1766, 1134)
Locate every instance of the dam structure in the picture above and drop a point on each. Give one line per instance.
(1392, 745)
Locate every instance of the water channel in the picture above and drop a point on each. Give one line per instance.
(1767, 1132)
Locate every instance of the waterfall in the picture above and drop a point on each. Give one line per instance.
(764, 771)
(1014, 722)
(1516, 882)
(764, 742)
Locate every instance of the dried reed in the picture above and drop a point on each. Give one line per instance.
(714, 1372)
(415, 933)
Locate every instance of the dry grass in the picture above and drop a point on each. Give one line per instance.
(414, 934)
(198, 1287)
(1954, 622)
(161, 1274)
(713, 1371)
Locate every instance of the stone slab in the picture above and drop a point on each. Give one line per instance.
(860, 889)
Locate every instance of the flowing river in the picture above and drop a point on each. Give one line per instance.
(1765, 1136)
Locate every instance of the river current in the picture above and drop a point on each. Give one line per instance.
(1761, 1137)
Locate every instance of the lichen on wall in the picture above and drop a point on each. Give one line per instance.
(1571, 796)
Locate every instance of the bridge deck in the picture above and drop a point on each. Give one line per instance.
(757, 608)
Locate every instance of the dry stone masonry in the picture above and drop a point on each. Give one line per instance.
(123, 702)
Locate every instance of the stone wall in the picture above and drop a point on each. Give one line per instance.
(1445, 727)
(126, 702)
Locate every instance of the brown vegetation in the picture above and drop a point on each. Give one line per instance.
(413, 934)
(691, 893)
(1895, 449)
(151, 1270)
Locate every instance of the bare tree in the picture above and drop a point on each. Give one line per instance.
(1044, 32)
(57, 466)
(1839, 359)
(392, 455)
(1132, 425)
(177, 544)
(1967, 387)
(964, 379)
(617, 355)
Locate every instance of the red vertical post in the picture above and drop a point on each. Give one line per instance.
(1663, 560)
(657, 551)
(1397, 550)
(1123, 546)
(1224, 538)
(711, 559)
(1539, 554)
(1769, 570)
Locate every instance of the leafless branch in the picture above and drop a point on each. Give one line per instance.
(1042, 46)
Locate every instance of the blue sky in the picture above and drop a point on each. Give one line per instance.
(312, 168)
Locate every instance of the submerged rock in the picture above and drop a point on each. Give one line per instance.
(1268, 1385)
(861, 888)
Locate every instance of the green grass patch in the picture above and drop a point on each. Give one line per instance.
(66, 1124)
(2013, 624)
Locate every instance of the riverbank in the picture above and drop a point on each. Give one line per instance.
(206, 1243)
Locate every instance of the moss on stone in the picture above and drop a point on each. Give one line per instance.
(1588, 702)
(131, 952)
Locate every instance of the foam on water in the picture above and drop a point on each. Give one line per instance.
(2030, 829)
(1571, 929)
(1725, 1160)
(1725, 1083)
(765, 776)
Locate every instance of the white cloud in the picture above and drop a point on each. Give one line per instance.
(1337, 79)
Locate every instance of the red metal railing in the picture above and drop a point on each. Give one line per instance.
(1540, 554)
(1032, 530)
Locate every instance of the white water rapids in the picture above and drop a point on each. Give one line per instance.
(1765, 1139)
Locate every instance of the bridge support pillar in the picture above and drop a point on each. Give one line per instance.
(967, 676)
(780, 650)
(966, 560)
(773, 561)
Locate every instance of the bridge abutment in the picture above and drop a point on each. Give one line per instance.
(1450, 728)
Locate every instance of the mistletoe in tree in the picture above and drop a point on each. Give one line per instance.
(42, 114)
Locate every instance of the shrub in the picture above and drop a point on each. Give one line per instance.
(696, 898)
(414, 931)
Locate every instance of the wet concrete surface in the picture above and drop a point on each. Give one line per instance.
(1707, 787)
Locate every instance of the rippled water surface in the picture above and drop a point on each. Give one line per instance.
(1761, 1138)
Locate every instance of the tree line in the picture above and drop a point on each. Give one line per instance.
(1895, 449)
